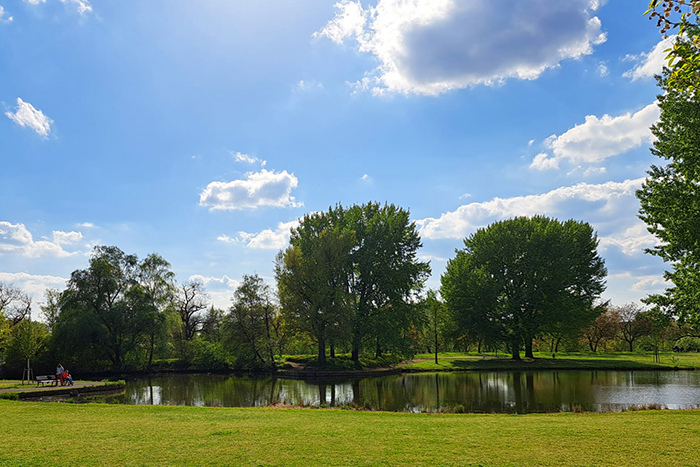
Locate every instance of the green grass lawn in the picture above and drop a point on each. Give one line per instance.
(92, 434)
(582, 360)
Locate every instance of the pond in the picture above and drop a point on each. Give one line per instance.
(502, 392)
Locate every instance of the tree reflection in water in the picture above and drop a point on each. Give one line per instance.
(504, 392)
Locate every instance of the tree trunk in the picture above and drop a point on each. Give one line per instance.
(528, 348)
(378, 353)
(631, 342)
(556, 347)
(355, 354)
(321, 352)
(150, 353)
(436, 347)
(515, 348)
(332, 350)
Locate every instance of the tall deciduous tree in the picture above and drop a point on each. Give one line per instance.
(105, 311)
(252, 318)
(312, 275)
(524, 277)
(670, 197)
(606, 326)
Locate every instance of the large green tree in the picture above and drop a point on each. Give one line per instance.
(312, 276)
(521, 278)
(352, 274)
(251, 321)
(106, 314)
(670, 197)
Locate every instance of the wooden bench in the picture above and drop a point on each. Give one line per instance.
(46, 379)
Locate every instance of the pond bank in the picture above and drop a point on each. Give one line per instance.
(78, 389)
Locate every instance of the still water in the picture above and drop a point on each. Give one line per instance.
(506, 392)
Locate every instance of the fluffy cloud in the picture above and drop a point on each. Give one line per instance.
(433, 46)
(267, 239)
(599, 203)
(16, 239)
(650, 63)
(264, 188)
(240, 157)
(66, 238)
(34, 285)
(26, 115)
(219, 289)
(4, 18)
(631, 241)
(599, 138)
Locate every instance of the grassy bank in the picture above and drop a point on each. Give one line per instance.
(543, 361)
(91, 434)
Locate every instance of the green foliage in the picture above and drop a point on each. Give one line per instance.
(524, 277)
(670, 199)
(688, 344)
(351, 276)
(106, 313)
(251, 323)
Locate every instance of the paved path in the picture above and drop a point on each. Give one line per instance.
(33, 388)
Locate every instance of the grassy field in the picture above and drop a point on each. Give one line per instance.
(93, 434)
(618, 360)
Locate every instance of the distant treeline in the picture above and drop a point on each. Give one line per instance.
(350, 282)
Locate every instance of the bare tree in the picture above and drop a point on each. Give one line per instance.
(15, 304)
(190, 301)
(634, 323)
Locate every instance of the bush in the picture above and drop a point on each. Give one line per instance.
(687, 344)
(204, 355)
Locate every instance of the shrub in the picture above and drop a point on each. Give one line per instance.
(687, 344)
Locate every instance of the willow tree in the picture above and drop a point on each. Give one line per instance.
(522, 278)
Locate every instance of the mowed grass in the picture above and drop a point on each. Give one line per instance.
(544, 361)
(92, 434)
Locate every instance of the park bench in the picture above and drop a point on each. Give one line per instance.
(46, 379)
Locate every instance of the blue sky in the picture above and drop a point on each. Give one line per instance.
(203, 130)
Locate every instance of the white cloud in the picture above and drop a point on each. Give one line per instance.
(82, 5)
(33, 284)
(366, 178)
(650, 63)
(632, 241)
(544, 161)
(34, 2)
(26, 115)
(602, 70)
(465, 196)
(219, 289)
(240, 157)
(16, 239)
(267, 239)
(599, 203)
(87, 225)
(264, 188)
(599, 138)
(4, 18)
(66, 238)
(308, 86)
(214, 281)
(433, 46)
(531, 142)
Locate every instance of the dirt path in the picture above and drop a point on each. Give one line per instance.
(33, 388)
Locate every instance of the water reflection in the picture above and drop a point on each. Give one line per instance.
(507, 392)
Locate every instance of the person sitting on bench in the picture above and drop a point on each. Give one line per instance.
(66, 378)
